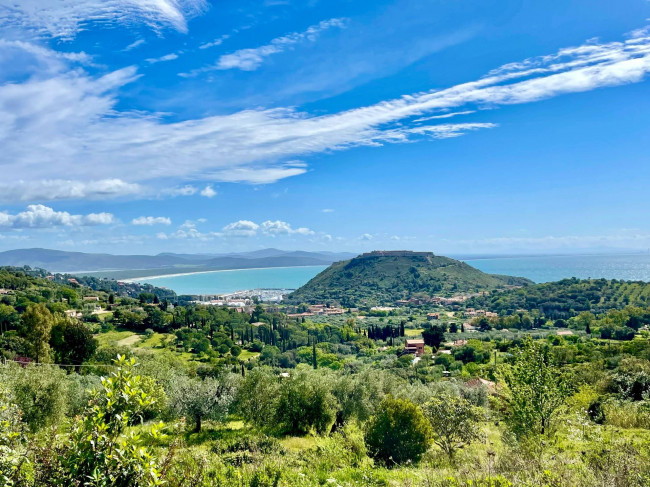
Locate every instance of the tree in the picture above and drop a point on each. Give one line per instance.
(314, 357)
(536, 389)
(398, 432)
(200, 399)
(37, 324)
(98, 451)
(433, 336)
(256, 396)
(454, 421)
(40, 393)
(305, 402)
(72, 341)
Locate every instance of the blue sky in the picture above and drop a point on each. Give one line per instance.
(145, 126)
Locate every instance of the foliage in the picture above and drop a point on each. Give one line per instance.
(304, 403)
(454, 421)
(100, 452)
(200, 399)
(398, 433)
(537, 388)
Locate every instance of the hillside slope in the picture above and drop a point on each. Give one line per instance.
(384, 277)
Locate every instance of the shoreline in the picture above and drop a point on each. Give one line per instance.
(161, 276)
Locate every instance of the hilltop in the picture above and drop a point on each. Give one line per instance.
(383, 277)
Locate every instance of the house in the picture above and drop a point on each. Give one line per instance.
(258, 324)
(414, 346)
(433, 316)
(565, 332)
(73, 313)
(4, 291)
(91, 298)
(72, 280)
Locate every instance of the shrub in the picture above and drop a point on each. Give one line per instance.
(398, 433)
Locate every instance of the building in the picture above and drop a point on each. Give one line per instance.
(433, 316)
(91, 298)
(414, 346)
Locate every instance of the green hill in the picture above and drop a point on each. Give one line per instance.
(384, 277)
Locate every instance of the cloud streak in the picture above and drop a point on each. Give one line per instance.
(251, 59)
(68, 122)
(65, 18)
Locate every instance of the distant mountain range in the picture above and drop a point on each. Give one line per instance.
(383, 277)
(125, 266)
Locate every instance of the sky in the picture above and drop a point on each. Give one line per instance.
(459, 127)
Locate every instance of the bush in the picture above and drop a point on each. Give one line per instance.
(398, 433)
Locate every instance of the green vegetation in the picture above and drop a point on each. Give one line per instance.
(165, 392)
(385, 277)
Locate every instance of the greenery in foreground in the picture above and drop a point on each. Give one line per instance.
(208, 399)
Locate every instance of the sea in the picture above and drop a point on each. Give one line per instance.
(539, 268)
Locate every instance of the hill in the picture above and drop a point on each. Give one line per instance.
(384, 277)
(122, 266)
(566, 298)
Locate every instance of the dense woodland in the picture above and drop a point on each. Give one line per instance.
(152, 390)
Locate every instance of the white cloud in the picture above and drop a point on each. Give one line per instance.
(283, 228)
(68, 122)
(61, 189)
(251, 59)
(40, 216)
(208, 192)
(366, 236)
(241, 228)
(166, 57)
(187, 190)
(65, 18)
(327, 210)
(134, 44)
(151, 220)
(217, 42)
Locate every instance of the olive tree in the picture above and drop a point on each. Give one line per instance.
(199, 399)
(454, 422)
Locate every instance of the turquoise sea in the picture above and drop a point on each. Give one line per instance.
(222, 282)
(543, 268)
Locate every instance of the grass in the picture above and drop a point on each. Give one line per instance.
(112, 337)
(247, 355)
(412, 332)
(298, 443)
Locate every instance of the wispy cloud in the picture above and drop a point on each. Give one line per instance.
(68, 122)
(40, 216)
(65, 18)
(217, 42)
(62, 189)
(251, 59)
(134, 44)
(166, 57)
(151, 220)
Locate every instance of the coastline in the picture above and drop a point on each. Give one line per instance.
(161, 276)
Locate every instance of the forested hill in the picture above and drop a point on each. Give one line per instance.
(24, 278)
(566, 298)
(385, 277)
